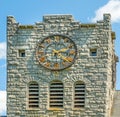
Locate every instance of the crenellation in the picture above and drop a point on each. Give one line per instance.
(57, 18)
(11, 20)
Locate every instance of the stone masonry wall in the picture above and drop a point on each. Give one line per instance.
(95, 72)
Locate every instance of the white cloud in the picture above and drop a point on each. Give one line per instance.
(112, 7)
(2, 50)
(2, 103)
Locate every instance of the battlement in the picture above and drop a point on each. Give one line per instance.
(58, 18)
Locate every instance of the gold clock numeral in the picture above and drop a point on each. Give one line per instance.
(72, 51)
(47, 64)
(40, 52)
(70, 46)
(69, 59)
(64, 63)
(56, 65)
(57, 38)
(48, 40)
(42, 45)
(42, 59)
(66, 40)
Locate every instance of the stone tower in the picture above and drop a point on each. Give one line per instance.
(60, 68)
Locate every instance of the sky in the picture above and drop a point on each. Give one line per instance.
(31, 11)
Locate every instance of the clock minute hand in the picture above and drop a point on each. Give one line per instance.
(55, 51)
(64, 58)
(59, 54)
(63, 50)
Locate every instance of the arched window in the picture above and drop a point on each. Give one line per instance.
(56, 94)
(79, 95)
(33, 98)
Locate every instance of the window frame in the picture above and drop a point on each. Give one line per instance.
(21, 53)
(82, 83)
(28, 98)
(93, 52)
(55, 107)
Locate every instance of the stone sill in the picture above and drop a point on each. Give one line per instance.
(81, 109)
(33, 109)
(56, 109)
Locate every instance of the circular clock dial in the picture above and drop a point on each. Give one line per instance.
(56, 52)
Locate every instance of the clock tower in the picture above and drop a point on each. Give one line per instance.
(60, 68)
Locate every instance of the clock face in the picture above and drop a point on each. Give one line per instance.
(56, 52)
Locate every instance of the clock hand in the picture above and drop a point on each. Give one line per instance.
(63, 50)
(59, 54)
(55, 51)
(64, 58)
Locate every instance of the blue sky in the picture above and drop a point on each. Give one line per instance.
(31, 11)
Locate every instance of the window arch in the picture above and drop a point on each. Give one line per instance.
(56, 94)
(79, 94)
(33, 92)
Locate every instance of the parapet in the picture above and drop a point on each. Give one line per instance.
(11, 19)
(58, 18)
(107, 17)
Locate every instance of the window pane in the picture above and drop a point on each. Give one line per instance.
(93, 52)
(21, 53)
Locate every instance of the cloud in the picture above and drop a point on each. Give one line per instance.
(112, 7)
(2, 50)
(2, 103)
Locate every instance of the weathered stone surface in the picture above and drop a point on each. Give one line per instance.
(95, 71)
(116, 105)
